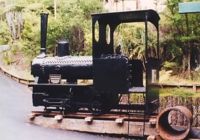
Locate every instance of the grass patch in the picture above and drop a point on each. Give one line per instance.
(180, 92)
(166, 92)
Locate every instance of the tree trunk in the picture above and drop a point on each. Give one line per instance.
(189, 60)
(15, 23)
(188, 47)
(184, 62)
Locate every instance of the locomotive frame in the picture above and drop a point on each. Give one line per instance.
(113, 74)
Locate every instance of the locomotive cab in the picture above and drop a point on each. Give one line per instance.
(134, 75)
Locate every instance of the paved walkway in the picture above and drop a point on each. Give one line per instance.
(15, 105)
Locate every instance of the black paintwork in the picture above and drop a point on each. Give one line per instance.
(62, 48)
(112, 20)
(44, 21)
(112, 73)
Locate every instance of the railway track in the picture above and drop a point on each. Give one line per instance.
(134, 125)
(131, 125)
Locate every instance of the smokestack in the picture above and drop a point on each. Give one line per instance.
(44, 20)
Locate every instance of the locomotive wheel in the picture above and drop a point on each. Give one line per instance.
(104, 103)
(69, 106)
(96, 108)
(70, 109)
(110, 101)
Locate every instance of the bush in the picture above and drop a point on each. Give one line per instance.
(5, 37)
(170, 65)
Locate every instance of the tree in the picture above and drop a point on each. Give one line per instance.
(72, 22)
(131, 38)
(174, 30)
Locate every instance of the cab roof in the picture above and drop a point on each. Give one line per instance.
(128, 16)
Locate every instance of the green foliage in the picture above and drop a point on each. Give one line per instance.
(177, 39)
(5, 37)
(57, 30)
(180, 92)
(7, 58)
(70, 20)
(31, 35)
(169, 65)
(88, 44)
(90, 6)
(76, 16)
(131, 38)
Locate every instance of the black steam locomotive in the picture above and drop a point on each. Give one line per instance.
(112, 74)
